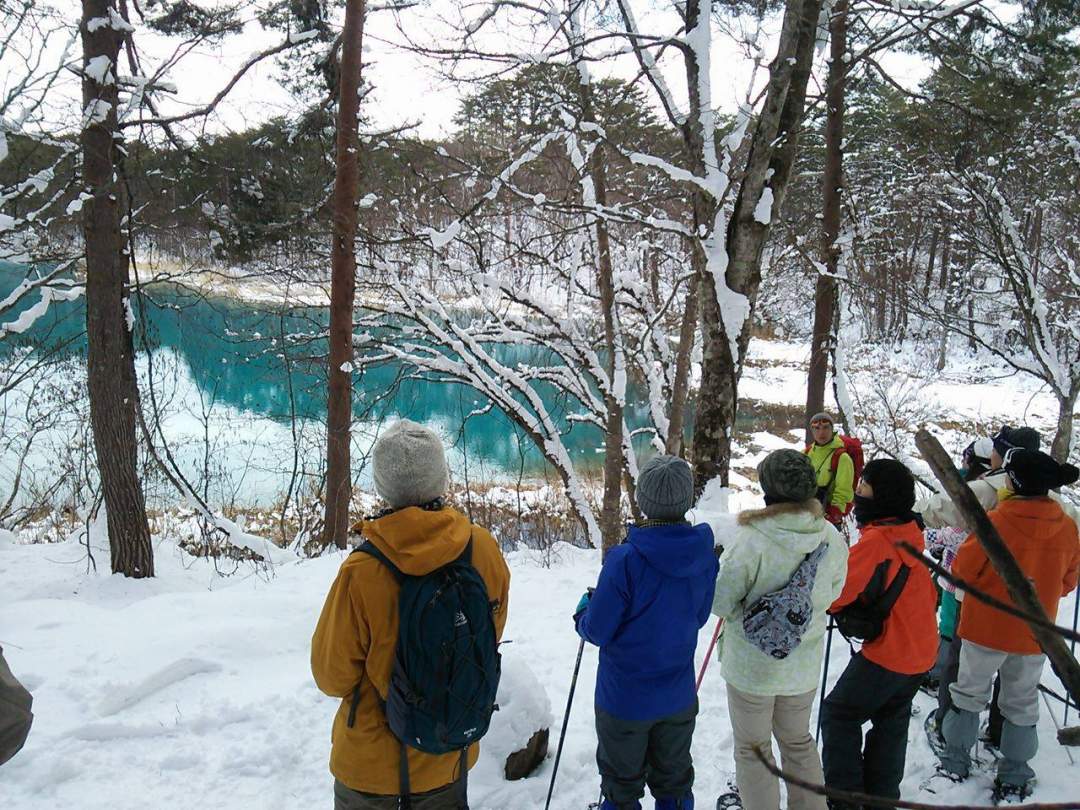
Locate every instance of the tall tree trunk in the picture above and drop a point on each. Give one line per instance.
(825, 288)
(680, 387)
(1063, 438)
(934, 237)
(611, 522)
(944, 283)
(769, 164)
(343, 284)
(111, 382)
(611, 510)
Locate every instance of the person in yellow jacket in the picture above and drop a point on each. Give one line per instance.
(836, 488)
(352, 650)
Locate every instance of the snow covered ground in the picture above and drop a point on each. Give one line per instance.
(193, 691)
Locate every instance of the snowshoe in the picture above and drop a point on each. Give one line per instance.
(933, 735)
(991, 753)
(940, 781)
(1005, 793)
(984, 758)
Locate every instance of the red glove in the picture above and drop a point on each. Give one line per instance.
(834, 515)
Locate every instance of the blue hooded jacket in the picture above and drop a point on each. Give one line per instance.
(655, 592)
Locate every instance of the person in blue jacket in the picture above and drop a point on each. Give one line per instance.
(655, 592)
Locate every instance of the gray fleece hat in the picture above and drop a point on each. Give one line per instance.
(787, 475)
(665, 488)
(409, 465)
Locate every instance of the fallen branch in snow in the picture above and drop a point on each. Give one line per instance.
(993, 602)
(854, 798)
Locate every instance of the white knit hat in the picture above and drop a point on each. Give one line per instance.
(409, 465)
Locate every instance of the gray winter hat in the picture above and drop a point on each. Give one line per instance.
(665, 488)
(822, 417)
(409, 465)
(787, 475)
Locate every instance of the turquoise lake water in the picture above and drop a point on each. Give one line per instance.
(230, 352)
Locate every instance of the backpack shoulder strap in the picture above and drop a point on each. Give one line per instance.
(367, 547)
(466, 555)
(834, 464)
(892, 593)
(875, 586)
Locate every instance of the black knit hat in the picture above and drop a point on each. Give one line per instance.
(787, 475)
(1035, 473)
(893, 485)
(1009, 437)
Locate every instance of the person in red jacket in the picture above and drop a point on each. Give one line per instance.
(881, 679)
(1045, 543)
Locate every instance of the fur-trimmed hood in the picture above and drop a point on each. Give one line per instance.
(797, 527)
(812, 507)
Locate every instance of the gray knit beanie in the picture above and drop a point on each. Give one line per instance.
(665, 488)
(787, 475)
(822, 417)
(409, 465)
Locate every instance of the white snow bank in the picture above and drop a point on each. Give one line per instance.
(524, 709)
(216, 708)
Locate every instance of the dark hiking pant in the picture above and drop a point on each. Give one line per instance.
(867, 692)
(444, 798)
(631, 754)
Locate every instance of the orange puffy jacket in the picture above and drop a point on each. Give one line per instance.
(909, 642)
(354, 642)
(1044, 541)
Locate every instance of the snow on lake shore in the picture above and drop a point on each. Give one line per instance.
(193, 691)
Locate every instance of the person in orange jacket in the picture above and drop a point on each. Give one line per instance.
(1046, 545)
(352, 650)
(881, 679)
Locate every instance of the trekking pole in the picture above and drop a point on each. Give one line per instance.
(708, 654)
(1057, 725)
(824, 678)
(566, 719)
(1072, 644)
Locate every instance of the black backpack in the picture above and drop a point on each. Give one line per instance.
(864, 619)
(446, 662)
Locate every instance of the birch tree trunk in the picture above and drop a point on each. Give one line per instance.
(110, 360)
(343, 284)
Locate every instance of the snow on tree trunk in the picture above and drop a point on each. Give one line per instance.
(734, 264)
(343, 285)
